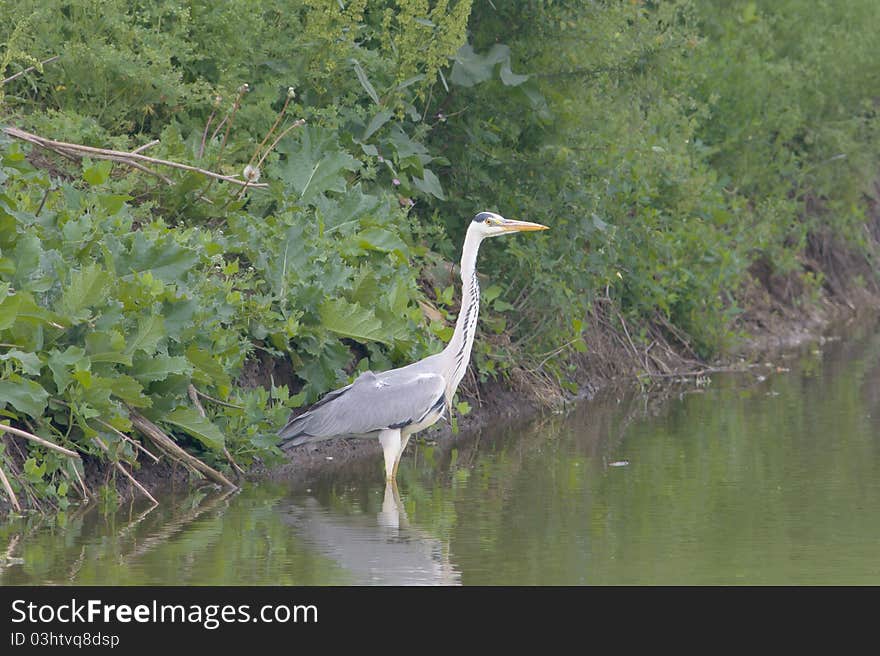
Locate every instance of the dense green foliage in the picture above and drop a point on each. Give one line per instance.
(669, 144)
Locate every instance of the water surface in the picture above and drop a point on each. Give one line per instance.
(771, 476)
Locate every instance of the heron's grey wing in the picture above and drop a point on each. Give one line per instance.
(373, 402)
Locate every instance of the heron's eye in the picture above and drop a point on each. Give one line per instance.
(491, 222)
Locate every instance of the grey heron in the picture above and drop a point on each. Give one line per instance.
(393, 405)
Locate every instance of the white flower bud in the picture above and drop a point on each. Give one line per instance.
(251, 173)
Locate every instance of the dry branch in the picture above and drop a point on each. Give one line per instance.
(156, 434)
(125, 437)
(29, 69)
(217, 401)
(125, 472)
(38, 440)
(6, 486)
(121, 156)
(194, 397)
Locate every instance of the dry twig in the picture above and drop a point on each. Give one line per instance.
(30, 68)
(132, 159)
(6, 486)
(125, 472)
(38, 440)
(156, 434)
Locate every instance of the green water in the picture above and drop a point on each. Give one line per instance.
(764, 477)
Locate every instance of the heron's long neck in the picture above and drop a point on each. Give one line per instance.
(458, 351)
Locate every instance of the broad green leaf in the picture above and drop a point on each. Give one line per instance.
(24, 395)
(129, 390)
(29, 362)
(379, 239)
(112, 203)
(430, 184)
(98, 173)
(150, 331)
(34, 471)
(316, 165)
(380, 119)
(62, 365)
(88, 287)
(351, 320)
(107, 346)
(199, 427)
(365, 81)
(207, 369)
(159, 367)
(9, 310)
(162, 256)
(470, 68)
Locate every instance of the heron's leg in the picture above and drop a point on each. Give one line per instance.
(404, 440)
(390, 440)
(391, 507)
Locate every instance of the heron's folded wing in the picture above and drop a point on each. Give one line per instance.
(392, 399)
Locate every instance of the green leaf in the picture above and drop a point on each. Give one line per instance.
(98, 173)
(24, 395)
(129, 390)
(470, 68)
(430, 184)
(351, 320)
(315, 165)
(62, 363)
(29, 362)
(380, 119)
(379, 239)
(163, 257)
(88, 287)
(159, 367)
(107, 346)
(199, 427)
(151, 330)
(491, 293)
(34, 471)
(365, 81)
(207, 369)
(9, 310)
(112, 203)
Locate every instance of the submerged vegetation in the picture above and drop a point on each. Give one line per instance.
(686, 153)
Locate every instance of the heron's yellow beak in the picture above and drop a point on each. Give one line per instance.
(510, 225)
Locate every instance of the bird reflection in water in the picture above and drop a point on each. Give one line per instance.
(381, 550)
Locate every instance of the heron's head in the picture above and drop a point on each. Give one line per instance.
(489, 224)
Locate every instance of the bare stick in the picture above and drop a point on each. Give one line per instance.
(82, 484)
(29, 69)
(194, 397)
(6, 486)
(140, 149)
(112, 428)
(125, 437)
(67, 149)
(126, 473)
(297, 123)
(218, 401)
(156, 434)
(205, 134)
(141, 167)
(278, 120)
(38, 440)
